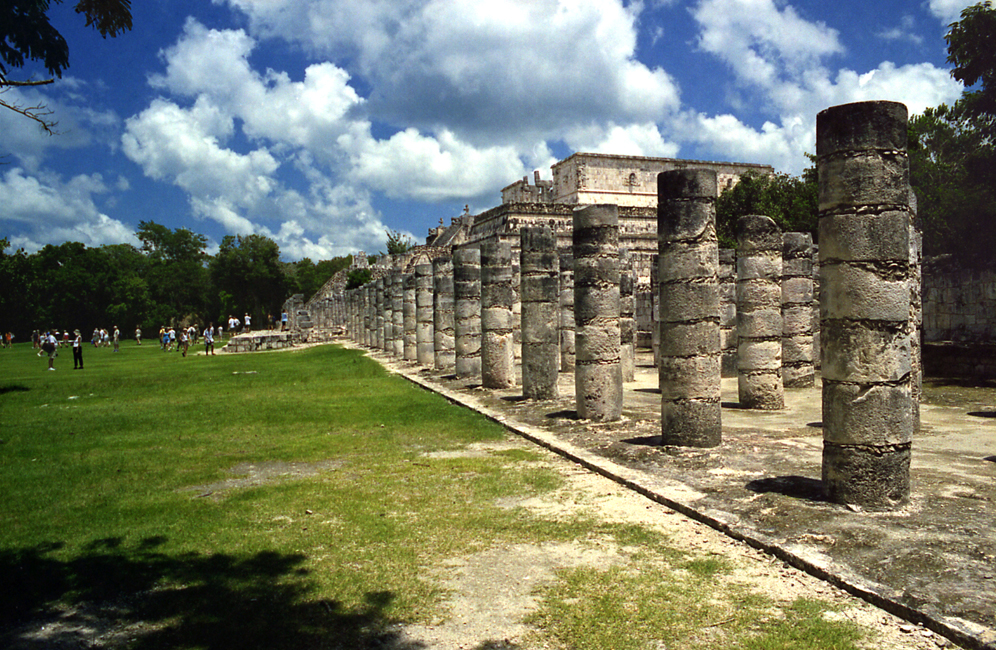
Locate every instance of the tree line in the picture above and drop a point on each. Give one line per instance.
(169, 280)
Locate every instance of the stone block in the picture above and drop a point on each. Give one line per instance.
(690, 339)
(760, 323)
(761, 391)
(867, 477)
(600, 394)
(878, 415)
(880, 237)
(754, 355)
(691, 423)
(683, 378)
(855, 293)
(863, 179)
(697, 260)
(854, 353)
(685, 301)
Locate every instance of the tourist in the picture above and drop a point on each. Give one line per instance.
(248, 320)
(138, 335)
(171, 338)
(50, 345)
(209, 340)
(77, 351)
(184, 341)
(283, 321)
(116, 337)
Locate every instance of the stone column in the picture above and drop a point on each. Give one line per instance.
(379, 314)
(566, 310)
(467, 319)
(408, 313)
(759, 313)
(655, 309)
(540, 294)
(516, 309)
(371, 314)
(388, 309)
(398, 314)
(869, 413)
(689, 308)
(497, 356)
(424, 338)
(797, 310)
(728, 311)
(627, 320)
(597, 370)
(442, 313)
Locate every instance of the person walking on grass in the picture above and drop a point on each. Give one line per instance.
(209, 340)
(50, 345)
(138, 335)
(116, 337)
(77, 351)
(184, 341)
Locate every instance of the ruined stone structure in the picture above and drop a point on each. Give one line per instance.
(566, 309)
(444, 349)
(597, 369)
(408, 315)
(424, 339)
(467, 316)
(397, 314)
(797, 310)
(869, 414)
(728, 311)
(540, 295)
(759, 313)
(689, 309)
(497, 356)
(627, 313)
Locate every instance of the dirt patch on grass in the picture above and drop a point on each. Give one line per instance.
(255, 474)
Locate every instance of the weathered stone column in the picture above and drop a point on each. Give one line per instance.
(408, 313)
(398, 314)
(442, 311)
(497, 356)
(689, 308)
(371, 314)
(797, 310)
(759, 313)
(597, 370)
(467, 318)
(655, 309)
(869, 413)
(388, 309)
(516, 309)
(566, 310)
(379, 314)
(540, 294)
(627, 322)
(728, 311)
(424, 338)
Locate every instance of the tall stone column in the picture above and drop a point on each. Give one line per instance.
(442, 311)
(371, 314)
(566, 310)
(408, 314)
(540, 294)
(759, 313)
(655, 309)
(398, 314)
(597, 370)
(627, 314)
(689, 308)
(467, 320)
(388, 309)
(728, 311)
(424, 338)
(379, 314)
(797, 310)
(497, 356)
(516, 309)
(869, 413)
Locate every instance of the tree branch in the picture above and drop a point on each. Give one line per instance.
(38, 113)
(44, 82)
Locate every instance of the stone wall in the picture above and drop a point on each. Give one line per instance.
(959, 305)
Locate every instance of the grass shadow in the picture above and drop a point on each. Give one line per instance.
(983, 414)
(13, 388)
(143, 599)
(797, 487)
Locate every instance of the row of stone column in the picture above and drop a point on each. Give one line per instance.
(868, 276)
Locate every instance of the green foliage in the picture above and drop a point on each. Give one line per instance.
(27, 33)
(398, 243)
(308, 277)
(972, 51)
(248, 269)
(358, 278)
(790, 201)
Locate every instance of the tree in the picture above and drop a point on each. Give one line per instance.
(177, 277)
(398, 243)
(792, 202)
(358, 278)
(247, 268)
(972, 51)
(27, 33)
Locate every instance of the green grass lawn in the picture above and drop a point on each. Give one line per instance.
(291, 500)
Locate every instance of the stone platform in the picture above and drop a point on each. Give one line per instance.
(262, 340)
(932, 562)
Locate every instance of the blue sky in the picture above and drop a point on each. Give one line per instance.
(323, 123)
